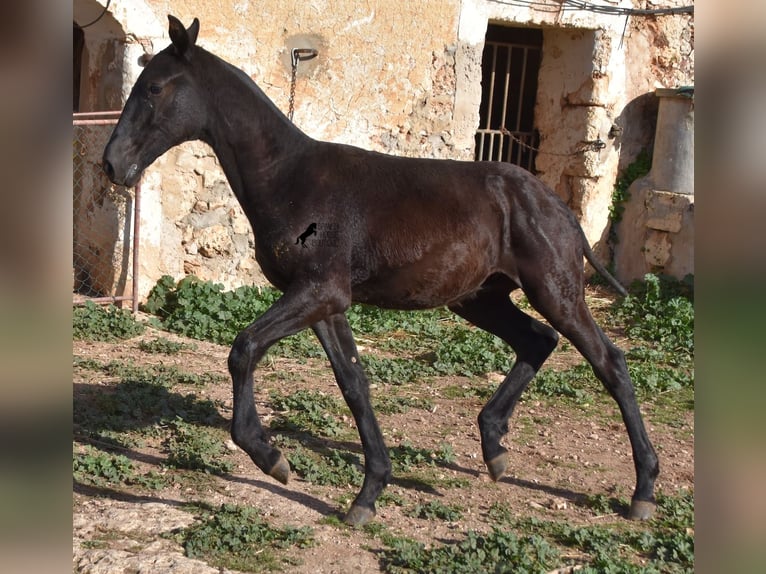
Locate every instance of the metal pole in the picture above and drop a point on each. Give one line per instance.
(136, 229)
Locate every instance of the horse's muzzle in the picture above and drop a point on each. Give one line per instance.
(108, 169)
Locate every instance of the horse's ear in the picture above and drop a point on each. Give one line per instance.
(182, 38)
(192, 31)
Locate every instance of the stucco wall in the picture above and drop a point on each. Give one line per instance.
(398, 77)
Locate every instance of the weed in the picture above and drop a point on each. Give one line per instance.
(308, 411)
(92, 322)
(469, 351)
(660, 310)
(639, 168)
(395, 371)
(573, 383)
(197, 448)
(498, 551)
(237, 537)
(162, 375)
(330, 467)
(436, 342)
(666, 544)
(405, 457)
(435, 510)
(602, 504)
(389, 404)
(100, 468)
(140, 399)
(164, 346)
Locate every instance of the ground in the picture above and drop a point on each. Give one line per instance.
(560, 454)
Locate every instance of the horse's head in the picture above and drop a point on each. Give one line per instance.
(163, 110)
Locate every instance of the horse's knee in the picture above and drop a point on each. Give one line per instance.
(244, 354)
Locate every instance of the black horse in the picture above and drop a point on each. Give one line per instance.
(410, 234)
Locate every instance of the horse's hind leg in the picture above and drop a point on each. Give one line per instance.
(572, 318)
(532, 341)
(335, 335)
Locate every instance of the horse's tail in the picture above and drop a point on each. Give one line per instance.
(591, 257)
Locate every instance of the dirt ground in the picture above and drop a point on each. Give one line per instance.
(558, 455)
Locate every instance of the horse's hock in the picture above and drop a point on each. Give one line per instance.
(656, 233)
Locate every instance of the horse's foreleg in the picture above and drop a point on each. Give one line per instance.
(290, 314)
(338, 342)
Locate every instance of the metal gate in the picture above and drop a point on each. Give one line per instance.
(510, 65)
(105, 219)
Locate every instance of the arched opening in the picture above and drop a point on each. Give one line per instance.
(102, 213)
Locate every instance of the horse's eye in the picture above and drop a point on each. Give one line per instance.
(155, 89)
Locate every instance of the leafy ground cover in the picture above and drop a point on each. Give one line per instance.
(152, 406)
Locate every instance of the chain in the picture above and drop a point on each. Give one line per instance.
(595, 145)
(297, 55)
(291, 101)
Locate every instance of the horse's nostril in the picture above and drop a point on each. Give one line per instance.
(108, 169)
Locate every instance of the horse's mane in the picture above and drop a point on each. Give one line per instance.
(242, 76)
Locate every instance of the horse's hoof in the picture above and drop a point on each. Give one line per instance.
(359, 516)
(497, 466)
(281, 470)
(641, 510)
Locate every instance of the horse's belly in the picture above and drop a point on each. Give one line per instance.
(423, 284)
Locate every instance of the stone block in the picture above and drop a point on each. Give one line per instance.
(665, 210)
(657, 249)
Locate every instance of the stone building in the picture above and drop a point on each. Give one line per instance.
(460, 79)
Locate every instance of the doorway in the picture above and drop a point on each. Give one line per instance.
(510, 67)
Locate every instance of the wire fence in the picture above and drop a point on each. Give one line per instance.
(105, 220)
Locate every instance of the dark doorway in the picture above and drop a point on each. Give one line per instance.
(78, 43)
(510, 65)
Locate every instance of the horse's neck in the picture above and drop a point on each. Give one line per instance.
(251, 137)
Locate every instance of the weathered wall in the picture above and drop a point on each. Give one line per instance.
(398, 77)
(656, 232)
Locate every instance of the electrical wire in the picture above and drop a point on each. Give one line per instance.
(580, 5)
(99, 16)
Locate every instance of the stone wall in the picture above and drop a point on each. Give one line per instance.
(656, 233)
(397, 77)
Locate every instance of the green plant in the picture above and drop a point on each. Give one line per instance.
(426, 342)
(499, 551)
(141, 398)
(95, 323)
(308, 411)
(391, 404)
(639, 168)
(194, 447)
(328, 467)
(237, 537)
(660, 310)
(101, 468)
(394, 371)
(576, 383)
(405, 457)
(203, 310)
(162, 345)
(666, 544)
(469, 351)
(435, 510)
(602, 504)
